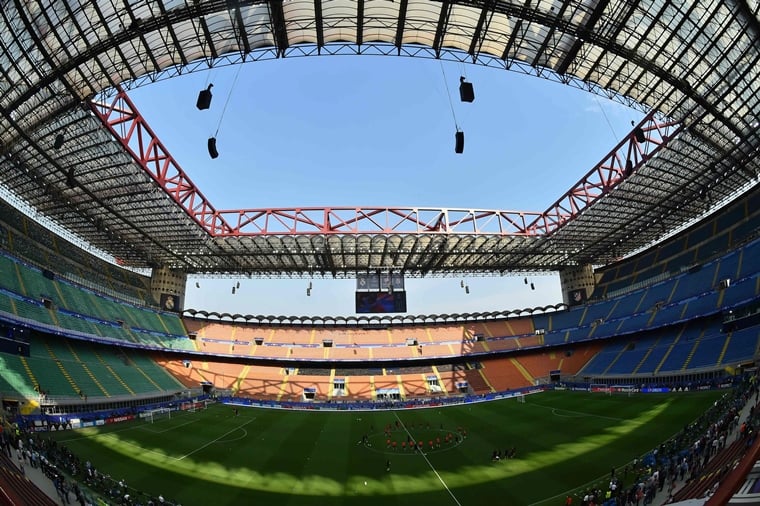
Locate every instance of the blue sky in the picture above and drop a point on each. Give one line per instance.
(379, 131)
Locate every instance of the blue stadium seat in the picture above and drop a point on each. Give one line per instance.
(742, 346)
(657, 352)
(708, 352)
(742, 291)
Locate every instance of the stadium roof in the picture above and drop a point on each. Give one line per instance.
(692, 65)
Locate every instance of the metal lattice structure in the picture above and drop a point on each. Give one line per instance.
(692, 66)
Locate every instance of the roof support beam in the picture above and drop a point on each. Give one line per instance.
(318, 22)
(442, 26)
(400, 26)
(279, 30)
(481, 29)
(359, 23)
(588, 28)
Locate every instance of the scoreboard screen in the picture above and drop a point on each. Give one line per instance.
(381, 302)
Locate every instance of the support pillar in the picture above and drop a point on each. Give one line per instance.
(168, 288)
(577, 284)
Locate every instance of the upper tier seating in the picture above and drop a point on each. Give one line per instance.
(704, 241)
(58, 366)
(24, 238)
(81, 310)
(328, 343)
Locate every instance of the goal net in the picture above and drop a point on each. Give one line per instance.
(194, 405)
(600, 388)
(158, 414)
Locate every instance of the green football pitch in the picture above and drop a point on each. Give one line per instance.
(563, 440)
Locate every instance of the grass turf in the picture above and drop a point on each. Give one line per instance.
(562, 440)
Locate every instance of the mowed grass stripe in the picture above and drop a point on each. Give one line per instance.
(311, 458)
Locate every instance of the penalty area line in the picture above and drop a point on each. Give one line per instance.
(215, 440)
(428, 462)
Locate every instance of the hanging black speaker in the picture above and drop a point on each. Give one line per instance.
(639, 134)
(212, 152)
(58, 142)
(459, 146)
(204, 98)
(466, 91)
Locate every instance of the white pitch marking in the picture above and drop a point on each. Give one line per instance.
(215, 440)
(428, 462)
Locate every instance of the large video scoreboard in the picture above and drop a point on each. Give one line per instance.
(380, 292)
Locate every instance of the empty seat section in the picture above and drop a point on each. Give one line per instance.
(598, 311)
(677, 262)
(675, 360)
(742, 291)
(502, 374)
(14, 379)
(298, 336)
(8, 276)
(318, 352)
(695, 283)
(644, 262)
(742, 345)
(633, 323)
(415, 385)
(560, 337)
(503, 328)
(401, 336)
(607, 329)
(566, 319)
(476, 382)
(580, 334)
(703, 305)
(32, 311)
(656, 353)
(173, 324)
(448, 350)
(190, 377)
(604, 358)
(708, 352)
(626, 362)
(77, 323)
(360, 387)
(50, 378)
(659, 293)
(748, 261)
(443, 333)
(627, 305)
(35, 284)
(668, 314)
(541, 322)
(6, 305)
(78, 370)
(728, 266)
(713, 247)
(147, 368)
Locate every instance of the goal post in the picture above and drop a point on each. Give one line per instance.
(155, 415)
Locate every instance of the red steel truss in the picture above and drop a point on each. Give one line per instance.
(620, 163)
(127, 125)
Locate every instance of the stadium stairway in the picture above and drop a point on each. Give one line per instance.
(713, 472)
(17, 489)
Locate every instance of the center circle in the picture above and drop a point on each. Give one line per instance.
(413, 440)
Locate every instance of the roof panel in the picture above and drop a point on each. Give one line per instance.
(697, 62)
